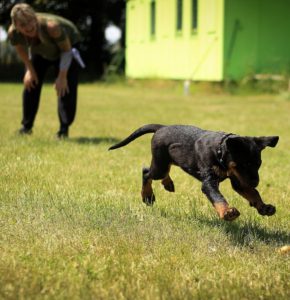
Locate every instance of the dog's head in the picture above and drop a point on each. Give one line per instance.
(244, 158)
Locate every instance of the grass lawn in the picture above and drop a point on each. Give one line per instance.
(72, 223)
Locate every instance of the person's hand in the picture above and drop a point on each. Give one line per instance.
(30, 80)
(61, 86)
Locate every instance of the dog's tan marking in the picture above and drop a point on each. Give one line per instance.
(253, 197)
(166, 180)
(247, 192)
(221, 208)
(225, 173)
(225, 212)
(168, 183)
(147, 189)
(232, 170)
(219, 172)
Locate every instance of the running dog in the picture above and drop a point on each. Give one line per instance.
(209, 156)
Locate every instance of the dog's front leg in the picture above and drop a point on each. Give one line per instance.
(254, 198)
(210, 187)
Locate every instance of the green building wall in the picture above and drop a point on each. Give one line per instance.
(256, 37)
(187, 54)
(234, 38)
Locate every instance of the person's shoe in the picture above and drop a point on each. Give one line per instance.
(62, 134)
(25, 131)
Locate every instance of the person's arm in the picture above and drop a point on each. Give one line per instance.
(30, 78)
(64, 44)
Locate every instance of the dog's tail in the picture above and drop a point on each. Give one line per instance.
(150, 128)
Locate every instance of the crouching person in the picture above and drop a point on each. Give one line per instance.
(43, 40)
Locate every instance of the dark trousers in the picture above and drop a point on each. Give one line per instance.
(66, 104)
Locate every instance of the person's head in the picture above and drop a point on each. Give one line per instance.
(24, 19)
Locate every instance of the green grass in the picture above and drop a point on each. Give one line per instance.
(73, 226)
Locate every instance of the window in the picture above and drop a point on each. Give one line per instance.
(153, 18)
(179, 5)
(194, 8)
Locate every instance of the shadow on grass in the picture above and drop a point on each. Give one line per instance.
(94, 140)
(242, 234)
(245, 234)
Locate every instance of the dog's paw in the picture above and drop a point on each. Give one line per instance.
(149, 200)
(231, 214)
(267, 210)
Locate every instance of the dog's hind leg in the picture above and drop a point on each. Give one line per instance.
(168, 183)
(158, 170)
(147, 194)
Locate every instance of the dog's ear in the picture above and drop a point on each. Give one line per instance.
(266, 141)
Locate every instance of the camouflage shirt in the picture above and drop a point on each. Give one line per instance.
(45, 45)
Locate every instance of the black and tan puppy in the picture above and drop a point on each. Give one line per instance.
(209, 156)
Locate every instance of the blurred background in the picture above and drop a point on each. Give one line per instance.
(101, 23)
(188, 40)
